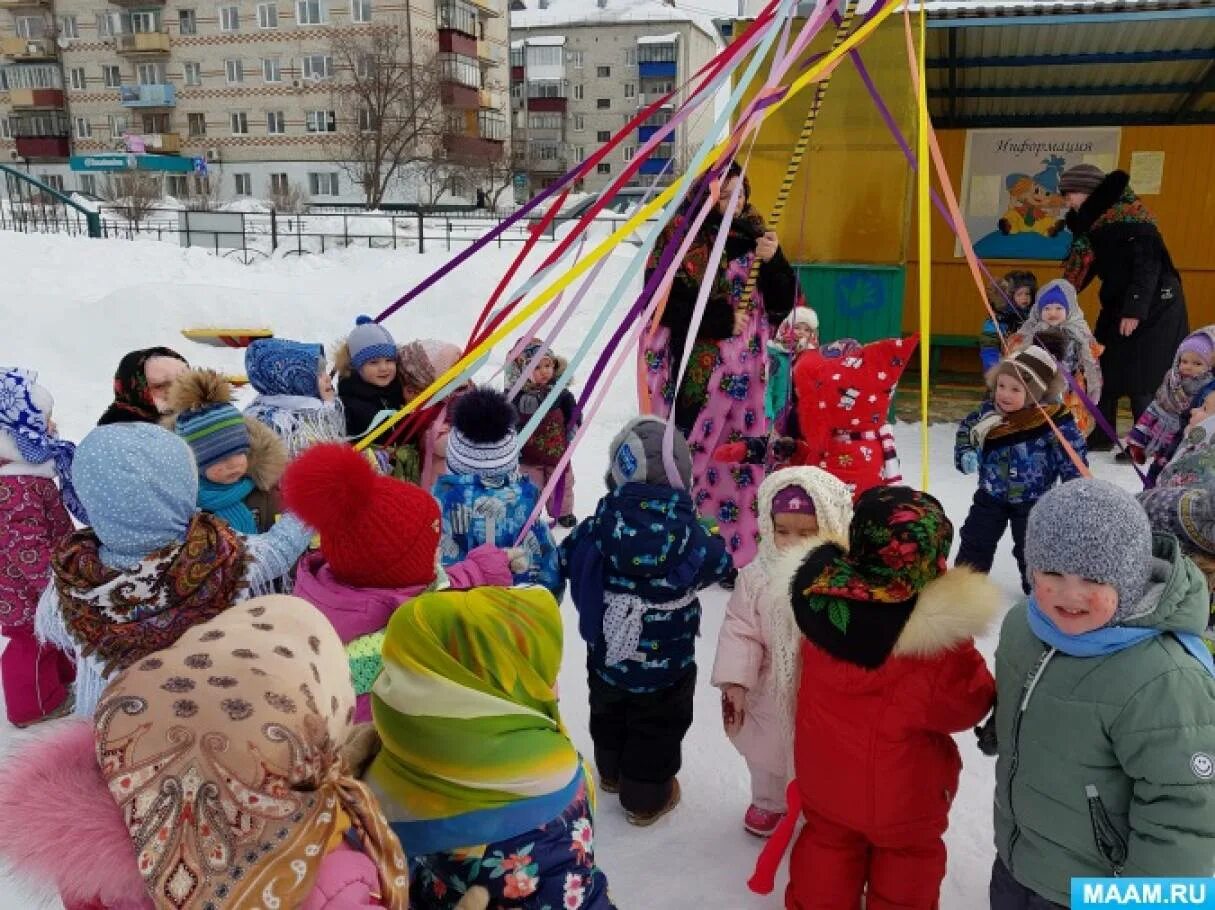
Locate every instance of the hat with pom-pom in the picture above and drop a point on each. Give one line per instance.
(482, 439)
(369, 341)
(206, 419)
(376, 531)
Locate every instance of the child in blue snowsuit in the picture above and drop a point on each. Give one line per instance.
(1012, 301)
(635, 568)
(483, 498)
(1009, 442)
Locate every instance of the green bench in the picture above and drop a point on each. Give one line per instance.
(939, 342)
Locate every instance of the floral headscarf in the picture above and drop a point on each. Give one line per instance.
(27, 422)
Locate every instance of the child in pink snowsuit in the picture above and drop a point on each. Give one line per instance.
(33, 520)
(757, 664)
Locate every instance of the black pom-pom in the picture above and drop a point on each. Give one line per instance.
(363, 320)
(483, 416)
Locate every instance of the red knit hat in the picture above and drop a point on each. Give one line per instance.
(376, 531)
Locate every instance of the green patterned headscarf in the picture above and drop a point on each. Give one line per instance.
(474, 748)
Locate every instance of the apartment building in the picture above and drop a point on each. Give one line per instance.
(579, 74)
(238, 92)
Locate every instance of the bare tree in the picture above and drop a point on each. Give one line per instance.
(290, 199)
(138, 193)
(492, 175)
(389, 107)
(204, 194)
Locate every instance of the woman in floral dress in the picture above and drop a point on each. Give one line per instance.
(721, 399)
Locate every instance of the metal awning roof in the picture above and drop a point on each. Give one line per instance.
(1051, 63)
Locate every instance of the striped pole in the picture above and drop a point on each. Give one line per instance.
(799, 152)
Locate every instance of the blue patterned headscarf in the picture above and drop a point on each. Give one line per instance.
(28, 424)
(277, 366)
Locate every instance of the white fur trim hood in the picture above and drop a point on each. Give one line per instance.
(953, 608)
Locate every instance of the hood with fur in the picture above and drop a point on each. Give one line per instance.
(953, 608)
(832, 506)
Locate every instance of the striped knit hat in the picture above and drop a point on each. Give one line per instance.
(1034, 368)
(206, 419)
(482, 439)
(369, 341)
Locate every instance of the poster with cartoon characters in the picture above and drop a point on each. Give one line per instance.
(1010, 187)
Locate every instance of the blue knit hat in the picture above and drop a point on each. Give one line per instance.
(277, 366)
(139, 484)
(214, 432)
(369, 340)
(1057, 293)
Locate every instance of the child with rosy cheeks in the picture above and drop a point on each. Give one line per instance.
(1159, 428)
(1105, 718)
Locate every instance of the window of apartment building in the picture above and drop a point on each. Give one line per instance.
(119, 124)
(579, 153)
(323, 184)
(575, 59)
(105, 25)
(235, 71)
(276, 123)
(88, 184)
(360, 10)
(279, 185)
(603, 136)
(272, 70)
(187, 22)
(603, 104)
(44, 75)
(151, 74)
(364, 66)
(579, 122)
(197, 124)
(68, 27)
(84, 129)
(54, 181)
(579, 92)
(460, 16)
(603, 72)
(465, 71)
(30, 26)
(145, 22)
(311, 12)
(657, 53)
(630, 57)
(77, 79)
(193, 73)
(629, 152)
(240, 123)
(155, 123)
(544, 121)
(111, 75)
(630, 90)
(177, 185)
(244, 184)
(368, 121)
(544, 55)
(322, 122)
(267, 15)
(6, 128)
(318, 66)
(229, 19)
(604, 168)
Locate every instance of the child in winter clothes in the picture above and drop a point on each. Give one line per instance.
(1158, 429)
(1058, 310)
(1011, 301)
(798, 332)
(295, 397)
(379, 550)
(635, 569)
(152, 565)
(240, 460)
(1105, 716)
(1010, 443)
(483, 500)
(540, 454)
(477, 775)
(251, 708)
(33, 521)
(422, 362)
(141, 386)
(889, 671)
(369, 380)
(757, 651)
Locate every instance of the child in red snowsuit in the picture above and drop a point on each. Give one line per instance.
(33, 520)
(889, 671)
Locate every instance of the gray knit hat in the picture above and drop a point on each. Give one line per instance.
(1092, 528)
(368, 341)
(636, 455)
(1083, 178)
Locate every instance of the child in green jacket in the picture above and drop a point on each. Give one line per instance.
(1105, 716)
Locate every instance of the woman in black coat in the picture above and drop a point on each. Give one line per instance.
(1143, 316)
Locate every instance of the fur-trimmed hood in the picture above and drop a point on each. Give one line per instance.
(832, 506)
(267, 455)
(1102, 199)
(953, 608)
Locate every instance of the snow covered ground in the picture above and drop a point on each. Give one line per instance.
(71, 307)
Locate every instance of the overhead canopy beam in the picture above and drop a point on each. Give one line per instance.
(989, 121)
(1029, 91)
(1093, 18)
(1023, 60)
(1207, 84)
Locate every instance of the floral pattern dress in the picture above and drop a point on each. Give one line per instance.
(548, 868)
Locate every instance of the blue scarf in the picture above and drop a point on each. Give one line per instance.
(1109, 639)
(227, 500)
(22, 420)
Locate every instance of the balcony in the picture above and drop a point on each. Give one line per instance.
(142, 43)
(36, 99)
(33, 147)
(547, 105)
(155, 143)
(659, 69)
(472, 148)
(145, 96)
(454, 42)
(24, 4)
(28, 48)
(488, 52)
(138, 4)
(461, 97)
(488, 7)
(547, 165)
(654, 165)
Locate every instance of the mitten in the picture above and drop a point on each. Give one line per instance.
(969, 461)
(1136, 452)
(985, 733)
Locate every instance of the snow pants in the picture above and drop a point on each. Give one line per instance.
(561, 502)
(832, 864)
(639, 738)
(35, 676)
(985, 526)
(1007, 893)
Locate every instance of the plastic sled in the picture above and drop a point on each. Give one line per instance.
(225, 337)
